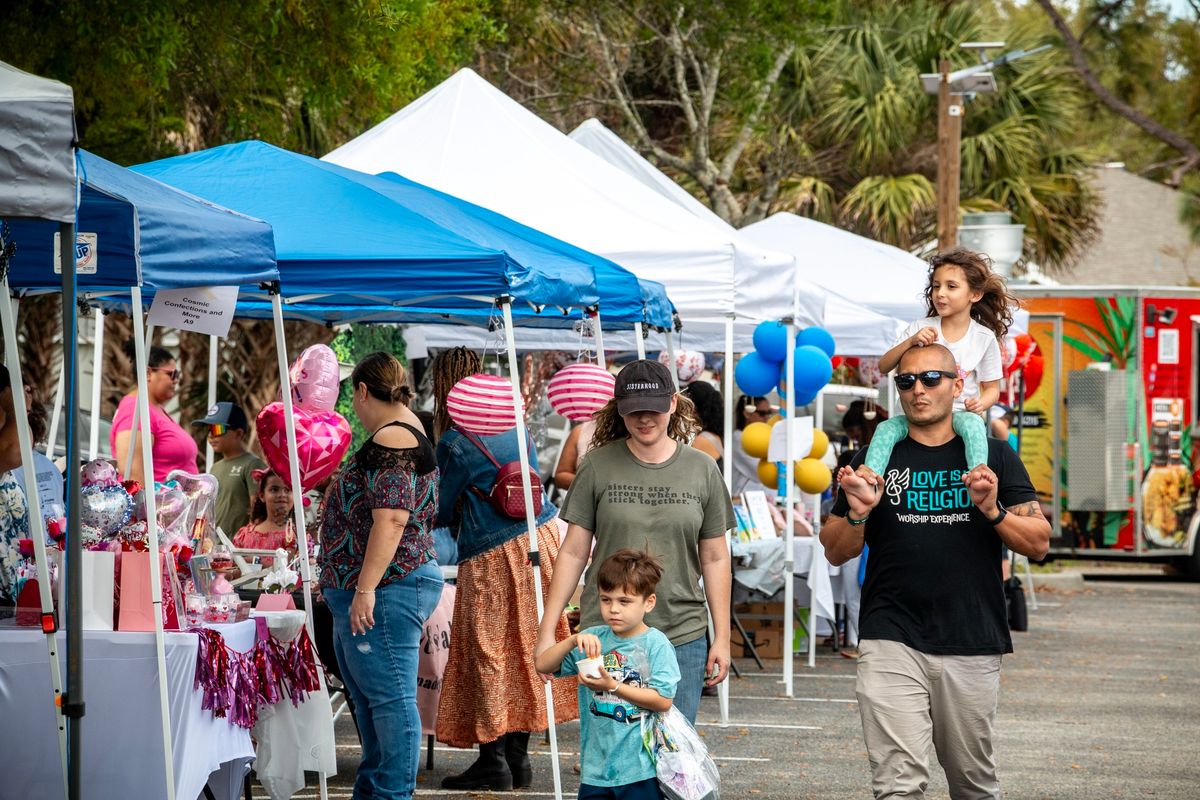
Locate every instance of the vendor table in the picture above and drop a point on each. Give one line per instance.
(122, 749)
(292, 739)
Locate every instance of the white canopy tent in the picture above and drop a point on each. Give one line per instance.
(37, 171)
(857, 329)
(881, 277)
(37, 145)
(467, 138)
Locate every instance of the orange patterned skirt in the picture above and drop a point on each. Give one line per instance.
(490, 686)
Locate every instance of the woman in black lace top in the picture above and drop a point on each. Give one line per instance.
(378, 575)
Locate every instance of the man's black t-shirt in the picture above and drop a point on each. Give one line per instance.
(933, 573)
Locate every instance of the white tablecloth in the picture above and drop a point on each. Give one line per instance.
(122, 728)
(758, 566)
(292, 739)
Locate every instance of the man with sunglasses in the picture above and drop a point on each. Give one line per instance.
(933, 626)
(227, 431)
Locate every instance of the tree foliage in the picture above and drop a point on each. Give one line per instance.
(1141, 67)
(819, 111)
(158, 77)
(154, 78)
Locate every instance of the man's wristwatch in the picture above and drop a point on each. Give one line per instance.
(996, 520)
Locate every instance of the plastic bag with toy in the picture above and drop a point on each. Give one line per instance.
(685, 770)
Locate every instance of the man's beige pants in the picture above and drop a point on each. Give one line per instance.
(909, 700)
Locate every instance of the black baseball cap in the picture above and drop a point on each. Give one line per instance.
(644, 385)
(228, 414)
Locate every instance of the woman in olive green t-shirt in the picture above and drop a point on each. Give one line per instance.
(641, 486)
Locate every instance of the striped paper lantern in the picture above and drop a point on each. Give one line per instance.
(482, 404)
(580, 390)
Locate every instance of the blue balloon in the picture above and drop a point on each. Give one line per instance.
(770, 340)
(817, 337)
(803, 398)
(813, 370)
(755, 375)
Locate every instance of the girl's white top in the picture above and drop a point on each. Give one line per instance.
(977, 355)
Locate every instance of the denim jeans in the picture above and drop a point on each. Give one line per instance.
(691, 657)
(379, 669)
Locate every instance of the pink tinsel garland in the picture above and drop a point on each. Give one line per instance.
(235, 685)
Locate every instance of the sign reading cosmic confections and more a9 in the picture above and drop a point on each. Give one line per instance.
(199, 309)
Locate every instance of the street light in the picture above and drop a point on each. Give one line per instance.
(953, 90)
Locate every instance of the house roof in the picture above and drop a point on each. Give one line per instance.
(1141, 239)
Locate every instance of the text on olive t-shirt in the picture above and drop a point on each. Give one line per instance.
(665, 509)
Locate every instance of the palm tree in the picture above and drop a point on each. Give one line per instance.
(816, 108)
(855, 103)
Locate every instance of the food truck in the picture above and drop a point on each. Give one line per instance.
(1107, 418)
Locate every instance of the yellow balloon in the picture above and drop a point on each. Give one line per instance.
(768, 473)
(812, 475)
(755, 439)
(820, 444)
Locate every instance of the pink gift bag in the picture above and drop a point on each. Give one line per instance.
(137, 610)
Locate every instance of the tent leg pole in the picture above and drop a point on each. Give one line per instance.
(727, 380)
(598, 333)
(213, 343)
(69, 376)
(672, 366)
(819, 412)
(640, 341)
(56, 411)
(289, 419)
(140, 342)
(97, 379)
(8, 323)
(789, 544)
(531, 521)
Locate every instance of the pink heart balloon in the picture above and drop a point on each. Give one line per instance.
(314, 378)
(322, 439)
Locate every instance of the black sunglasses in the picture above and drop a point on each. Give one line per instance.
(929, 378)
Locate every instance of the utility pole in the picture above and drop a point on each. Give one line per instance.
(949, 137)
(953, 89)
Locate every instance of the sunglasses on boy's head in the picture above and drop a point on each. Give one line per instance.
(218, 429)
(929, 378)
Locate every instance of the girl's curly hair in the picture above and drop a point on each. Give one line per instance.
(994, 310)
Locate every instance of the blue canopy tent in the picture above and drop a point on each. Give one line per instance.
(313, 205)
(146, 235)
(342, 241)
(234, 175)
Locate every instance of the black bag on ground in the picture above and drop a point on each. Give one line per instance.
(1014, 598)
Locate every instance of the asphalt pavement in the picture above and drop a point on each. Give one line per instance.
(1100, 700)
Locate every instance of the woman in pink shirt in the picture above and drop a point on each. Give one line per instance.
(172, 446)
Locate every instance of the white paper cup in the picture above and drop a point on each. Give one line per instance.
(590, 667)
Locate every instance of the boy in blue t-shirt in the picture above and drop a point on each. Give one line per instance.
(640, 674)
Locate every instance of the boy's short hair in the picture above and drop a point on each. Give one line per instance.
(634, 570)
